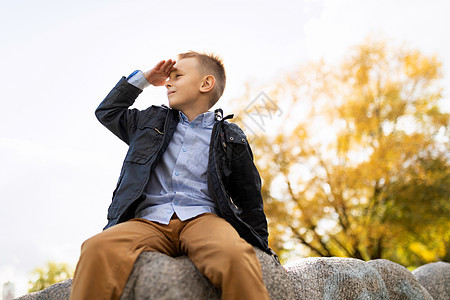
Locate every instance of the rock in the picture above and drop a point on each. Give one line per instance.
(336, 278)
(57, 291)
(310, 278)
(276, 278)
(177, 278)
(435, 277)
(144, 283)
(400, 283)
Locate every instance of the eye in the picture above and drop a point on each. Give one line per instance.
(178, 75)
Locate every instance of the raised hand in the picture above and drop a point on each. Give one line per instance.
(158, 75)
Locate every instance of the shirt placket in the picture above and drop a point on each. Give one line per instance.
(180, 173)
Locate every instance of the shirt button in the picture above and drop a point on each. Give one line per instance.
(184, 149)
(177, 173)
(169, 211)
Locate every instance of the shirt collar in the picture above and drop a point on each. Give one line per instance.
(204, 120)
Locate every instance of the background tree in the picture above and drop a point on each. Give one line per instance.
(48, 275)
(359, 165)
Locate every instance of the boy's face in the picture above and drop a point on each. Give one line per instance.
(183, 84)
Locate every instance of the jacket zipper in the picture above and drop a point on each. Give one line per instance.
(214, 138)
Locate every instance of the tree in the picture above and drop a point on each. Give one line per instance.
(48, 275)
(359, 167)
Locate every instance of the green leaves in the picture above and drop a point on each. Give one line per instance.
(48, 275)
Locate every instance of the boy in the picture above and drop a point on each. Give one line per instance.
(188, 185)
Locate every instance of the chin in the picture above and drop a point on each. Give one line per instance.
(174, 105)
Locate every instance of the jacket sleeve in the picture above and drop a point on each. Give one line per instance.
(114, 114)
(245, 189)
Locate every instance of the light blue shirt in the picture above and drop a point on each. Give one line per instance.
(179, 181)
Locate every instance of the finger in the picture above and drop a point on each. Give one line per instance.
(158, 65)
(164, 66)
(168, 66)
(171, 69)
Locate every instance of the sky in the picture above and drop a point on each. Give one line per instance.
(59, 59)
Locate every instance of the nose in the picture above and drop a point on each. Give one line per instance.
(168, 84)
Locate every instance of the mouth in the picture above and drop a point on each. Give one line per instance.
(170, 93)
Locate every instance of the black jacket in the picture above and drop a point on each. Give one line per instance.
(233, 179)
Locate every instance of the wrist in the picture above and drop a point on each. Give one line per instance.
(138, 79)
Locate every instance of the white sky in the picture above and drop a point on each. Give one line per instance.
(59, 59)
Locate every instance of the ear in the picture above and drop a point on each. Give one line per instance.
(208, 83)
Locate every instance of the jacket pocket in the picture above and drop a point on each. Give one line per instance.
(144, 144)
(235, 147)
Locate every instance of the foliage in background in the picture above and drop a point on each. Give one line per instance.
(48, 275)
(359, 164)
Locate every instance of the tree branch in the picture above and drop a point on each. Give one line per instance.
(304, 242)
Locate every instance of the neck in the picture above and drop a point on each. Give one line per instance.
(192, 113)
(192, 116)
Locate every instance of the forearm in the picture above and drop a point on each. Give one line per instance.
(113, 111)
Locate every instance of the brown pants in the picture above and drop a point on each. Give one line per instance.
(213, 245)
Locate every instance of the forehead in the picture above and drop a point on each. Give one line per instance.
(187, 64)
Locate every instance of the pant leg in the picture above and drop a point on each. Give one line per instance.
(228, 261)
(107, 259)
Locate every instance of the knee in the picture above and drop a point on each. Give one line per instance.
(239, 252)
(95, 245)
(233, 259)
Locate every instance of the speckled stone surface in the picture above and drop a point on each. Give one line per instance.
(158, 276)
(400, 282)
(144, 283)
(58, 291)
(275, 277)
(435, 277)
(333, 278)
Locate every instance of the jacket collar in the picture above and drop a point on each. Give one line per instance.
(218, 115)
